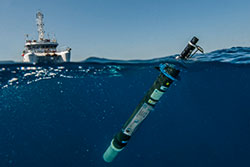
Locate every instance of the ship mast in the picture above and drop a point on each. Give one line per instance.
(40, 25)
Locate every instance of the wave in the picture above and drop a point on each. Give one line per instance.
(234, 55)
(16, 74)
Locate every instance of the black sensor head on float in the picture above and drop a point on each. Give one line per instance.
(191, 46)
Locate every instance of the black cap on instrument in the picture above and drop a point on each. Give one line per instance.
(185, 54)
(194, 40)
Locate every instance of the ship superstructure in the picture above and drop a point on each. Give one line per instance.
(44, 50)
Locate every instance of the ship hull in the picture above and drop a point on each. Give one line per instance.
(56, 57)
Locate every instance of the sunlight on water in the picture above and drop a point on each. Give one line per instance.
(31, 74)
(18, 74)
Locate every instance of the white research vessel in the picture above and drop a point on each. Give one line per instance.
(44, 50)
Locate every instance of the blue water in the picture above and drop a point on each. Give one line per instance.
(66, 115)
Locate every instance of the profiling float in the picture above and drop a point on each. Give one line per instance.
(168, 74)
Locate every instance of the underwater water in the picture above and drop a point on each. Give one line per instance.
(66, 115)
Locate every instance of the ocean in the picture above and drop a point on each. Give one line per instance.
(65, 115)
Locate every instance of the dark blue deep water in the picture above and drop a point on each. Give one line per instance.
(66, 115)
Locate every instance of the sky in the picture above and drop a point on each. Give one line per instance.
(125, 29)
